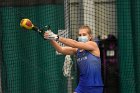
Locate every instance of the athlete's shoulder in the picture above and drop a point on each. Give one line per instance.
(92, 43)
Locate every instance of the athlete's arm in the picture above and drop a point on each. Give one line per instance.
(90, 45)
(63, 50)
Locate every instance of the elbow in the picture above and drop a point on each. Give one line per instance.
(60, 50)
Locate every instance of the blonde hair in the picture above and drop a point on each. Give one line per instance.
(86, 27)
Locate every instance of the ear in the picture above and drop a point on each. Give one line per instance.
(90, 37)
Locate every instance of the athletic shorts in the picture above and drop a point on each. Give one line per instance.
(89, 89)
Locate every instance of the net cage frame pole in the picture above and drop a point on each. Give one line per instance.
(0, 55)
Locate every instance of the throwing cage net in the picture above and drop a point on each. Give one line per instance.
(29, 64)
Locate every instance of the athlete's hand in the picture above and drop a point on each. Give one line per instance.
(50, 35)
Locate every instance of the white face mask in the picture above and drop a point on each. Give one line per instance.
(83, 39)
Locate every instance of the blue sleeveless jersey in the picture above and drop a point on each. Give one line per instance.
(90, 69)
